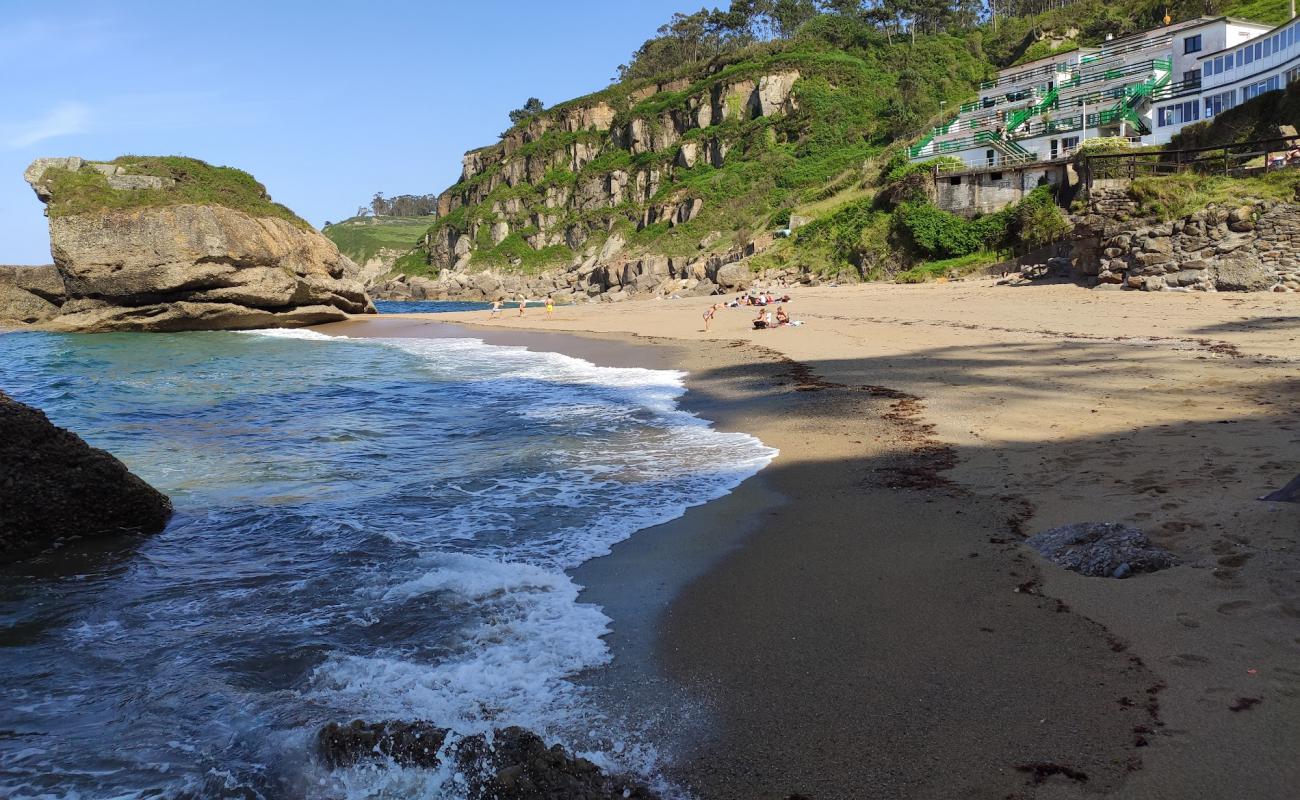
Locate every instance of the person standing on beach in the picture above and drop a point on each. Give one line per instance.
(523, 301)
(496, 308)
(550, 306)
(708, 315)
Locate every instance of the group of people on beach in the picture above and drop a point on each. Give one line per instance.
(523, 304)
(766, 317)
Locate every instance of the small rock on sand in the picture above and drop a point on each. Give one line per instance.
(1101, 549)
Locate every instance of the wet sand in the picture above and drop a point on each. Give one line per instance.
(861, 619)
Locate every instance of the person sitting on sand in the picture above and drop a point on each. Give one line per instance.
(782, 318)
(760, 322)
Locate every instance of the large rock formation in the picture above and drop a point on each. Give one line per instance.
(172, 266)
(30, 294)
(54, 487)
(513, 764)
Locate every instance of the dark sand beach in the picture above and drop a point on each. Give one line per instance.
(862, 619)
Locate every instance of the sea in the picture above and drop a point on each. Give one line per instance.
(364, 528)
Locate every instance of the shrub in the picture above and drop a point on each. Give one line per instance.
(1038, 220)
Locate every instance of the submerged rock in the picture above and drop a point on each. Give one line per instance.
(54, 487)
(1101, 549)
(512, 764)
(175, 253)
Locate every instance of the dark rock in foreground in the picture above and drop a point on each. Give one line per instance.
(1101, 549)
(54, 487)
(1287, 494)
(514, 765)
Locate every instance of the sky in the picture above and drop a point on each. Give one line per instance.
(324, 102)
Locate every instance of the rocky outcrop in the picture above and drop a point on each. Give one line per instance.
(602, 274)
(189, 266)
(54, 487)
(512, 764)
(1101, 549)
(30, 294)
(1251, 247)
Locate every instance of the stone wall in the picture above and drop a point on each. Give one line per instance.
(1254, 246)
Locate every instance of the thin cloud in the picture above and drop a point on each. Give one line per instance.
(63, 120)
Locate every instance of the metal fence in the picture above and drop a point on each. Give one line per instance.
(1236, 160)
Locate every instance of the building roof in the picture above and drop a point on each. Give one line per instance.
(1265, 32)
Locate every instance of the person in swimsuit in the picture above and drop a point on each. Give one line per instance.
(550, 307)
(523, 301)
(782, 318)
(708, 315)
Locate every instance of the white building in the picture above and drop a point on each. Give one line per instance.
(1144, 87)
(1226, 73)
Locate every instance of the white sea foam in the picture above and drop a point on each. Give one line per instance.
(629, 451)
(290, 333)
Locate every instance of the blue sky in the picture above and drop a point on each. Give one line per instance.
(325, 102)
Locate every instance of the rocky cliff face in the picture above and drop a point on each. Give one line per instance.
(30, 294)
(54, 487)
(1251, 247)
(187, 266)
(566, 186)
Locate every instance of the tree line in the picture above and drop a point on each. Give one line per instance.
(708, 33)
(403, 205)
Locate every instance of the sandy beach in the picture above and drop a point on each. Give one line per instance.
(862, 618)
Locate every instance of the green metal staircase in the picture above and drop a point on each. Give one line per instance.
(1137, 94)
(1020, 116)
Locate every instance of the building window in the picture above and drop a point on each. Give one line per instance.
(1179, 113)
(995, 176)
(1240, 57)
(1192, 79)
(1256, 89)
(1192, 44)
(1293, 75)
(1219, 103)
(955, 180)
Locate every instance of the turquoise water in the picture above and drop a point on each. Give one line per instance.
(428, 306)
(363, 528)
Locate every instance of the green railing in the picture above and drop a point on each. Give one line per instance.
(915, 150)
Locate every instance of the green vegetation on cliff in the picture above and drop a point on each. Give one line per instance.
(187, 181)
(361, 238)
(870, 78)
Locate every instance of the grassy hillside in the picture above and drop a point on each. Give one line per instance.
(87, 191)
(863, 91)
(360, 238)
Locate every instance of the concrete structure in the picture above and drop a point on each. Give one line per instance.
(1143, 87)
(981, 190)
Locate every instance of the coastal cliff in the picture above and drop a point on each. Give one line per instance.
(171, 244)
(601, 197)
